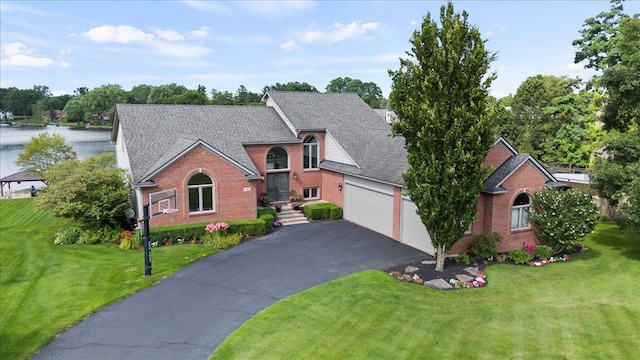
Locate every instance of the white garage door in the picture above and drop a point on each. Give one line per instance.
(369, 204)
(412, 230)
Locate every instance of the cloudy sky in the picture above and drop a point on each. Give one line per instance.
(222, 45)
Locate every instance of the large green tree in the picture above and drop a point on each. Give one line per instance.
(440, 94)
(369, 91)
(20, 101)
(615, 175)
(94, 192)
(610, 42)
(99, 103)
(290, 86)
(43, 152)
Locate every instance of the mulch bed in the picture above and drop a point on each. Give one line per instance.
(428, 272)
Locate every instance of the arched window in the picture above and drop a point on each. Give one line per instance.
(520, 212)
(201, 194)
(310, 153)
(277, 158)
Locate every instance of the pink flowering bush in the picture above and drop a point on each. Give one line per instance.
(217, 236)
(212, 228)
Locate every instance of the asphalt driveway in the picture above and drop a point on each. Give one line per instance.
(187, 315)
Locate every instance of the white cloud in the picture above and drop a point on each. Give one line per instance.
(65, 51)
(290, 45)
(19, 55)
(339, 32)
(15, 48)
(275, 9)
(200, 33)
(122, 34)
(487, 34)
(413, 22)
(27, 61)
(169, 35)
(64, 64)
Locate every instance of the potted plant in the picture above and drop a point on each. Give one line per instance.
(278, 207)
(295, 199)
(265, 200)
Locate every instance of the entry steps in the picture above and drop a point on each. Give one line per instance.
(288, 216)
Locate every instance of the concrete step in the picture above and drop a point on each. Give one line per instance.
(289, 216)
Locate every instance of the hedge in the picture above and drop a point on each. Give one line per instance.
(323, 211)
(256, 227)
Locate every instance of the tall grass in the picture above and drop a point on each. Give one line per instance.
(588, 308)
(46, 288)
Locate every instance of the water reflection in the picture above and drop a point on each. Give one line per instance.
(85, 142)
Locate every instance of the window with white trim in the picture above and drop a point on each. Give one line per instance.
(310, 152)
(311, 193)
(201, 194)
(520, 212)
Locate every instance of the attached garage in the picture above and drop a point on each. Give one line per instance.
(369, 204)
(412, 230)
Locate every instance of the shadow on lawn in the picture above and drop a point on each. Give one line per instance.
(626, 242)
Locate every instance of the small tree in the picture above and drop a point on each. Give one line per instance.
(93, 192)
(440, 95)
(563, 217)
(43, 152)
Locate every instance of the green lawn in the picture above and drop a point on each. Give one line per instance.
(588, 308)
(46, 288)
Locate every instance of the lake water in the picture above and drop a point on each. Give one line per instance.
(84, 141)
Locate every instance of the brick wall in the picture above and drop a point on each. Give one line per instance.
(330, 185)
(494, 211)
(299, 178)
(397, 204)
(497, 155)
(234, 195)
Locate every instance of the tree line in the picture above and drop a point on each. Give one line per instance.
(97, 105)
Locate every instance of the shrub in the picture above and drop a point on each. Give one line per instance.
(485, 245)
(99, 236)
(265, 199)
(67, 236)
(268, 220)
(520, 256)
(562, 217)
(128, 240)
(254, 227)
(544, 252)
(218, 236)
(323, 211)
(225, 241)
(463, 259)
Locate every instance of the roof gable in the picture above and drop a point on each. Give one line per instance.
(493, 184)
(157, 135)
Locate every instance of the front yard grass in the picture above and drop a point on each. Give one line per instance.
(588, 308)
(46, 288)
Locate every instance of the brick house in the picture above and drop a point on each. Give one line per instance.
(213, 163)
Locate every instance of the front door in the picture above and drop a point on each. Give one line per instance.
(278, 186)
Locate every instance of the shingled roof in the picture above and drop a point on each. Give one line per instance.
(363, 134)
(156, 135)
(493, 184)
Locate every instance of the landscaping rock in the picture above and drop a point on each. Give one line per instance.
(439, 284)
(464, 278)
(429, 262)
(411, 269)
(473, 271)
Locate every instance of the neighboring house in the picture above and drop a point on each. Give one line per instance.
(213, 163)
